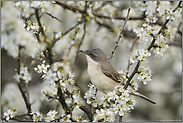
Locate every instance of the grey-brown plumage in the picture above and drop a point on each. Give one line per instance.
(99, 56)
(102, 74)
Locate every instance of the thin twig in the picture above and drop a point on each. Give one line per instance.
(27, 91)
(17, 119)
(28, 106)
(175, 43)
(103, 4)
(128, 67)
(79, 45)
(117, 17)
(74, 9)
(53, 17)
(61, 99)
(55, 40)
(104, 25)
(132, 75)
(22, 120)
(120, 119)
(120, 34)
(20, 115)
(84, 28)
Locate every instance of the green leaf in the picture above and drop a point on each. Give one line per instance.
(73, 107)
(79, 92)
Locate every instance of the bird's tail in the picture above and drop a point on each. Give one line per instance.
(142, 96)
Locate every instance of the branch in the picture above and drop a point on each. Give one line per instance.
(175, 43)
(163, 27)
(72, 8)
(28, 105)
(120, 119)
(88, 112)
(55, 40)
(150, 46)
(127, 33)
(104, 25)
(39, 23)
(19, 120)
(61, 99)
(131, 76)
(120, 34)
(117, 17)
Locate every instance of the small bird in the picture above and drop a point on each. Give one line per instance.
(102, 74)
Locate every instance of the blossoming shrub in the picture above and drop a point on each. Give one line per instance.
(46, 46)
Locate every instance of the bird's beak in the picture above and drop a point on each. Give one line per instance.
(83, 51)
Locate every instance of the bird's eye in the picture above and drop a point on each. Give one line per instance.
(91, 55)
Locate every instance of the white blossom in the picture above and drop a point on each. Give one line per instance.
(51, 115)
(140, 55)
(42, 68)
(37, 116)
(90, 95)
(24, 74)
(10, 114)
(144, 75)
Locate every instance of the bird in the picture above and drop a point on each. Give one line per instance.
(102, 74)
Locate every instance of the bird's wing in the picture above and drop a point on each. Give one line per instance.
(110, 72)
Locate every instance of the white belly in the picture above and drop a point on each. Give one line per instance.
(100, 80)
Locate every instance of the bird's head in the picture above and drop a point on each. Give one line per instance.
(96, 54)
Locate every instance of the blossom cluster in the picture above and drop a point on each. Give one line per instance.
(51, 115)
(14, 35)
(58, 73)
(113, 102)
(90, 95)
(154, 9)
(26, 8)
(161, 46)
(10, 114)
(24, 75)
(139, 55)
(133, 84)
(36, 116)
(144, 74)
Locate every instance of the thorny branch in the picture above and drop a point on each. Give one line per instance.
(120, 34)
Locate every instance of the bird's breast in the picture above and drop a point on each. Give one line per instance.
(98, 78)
